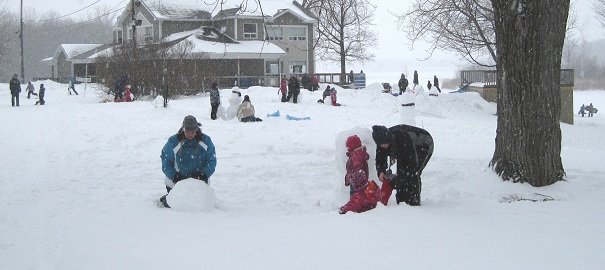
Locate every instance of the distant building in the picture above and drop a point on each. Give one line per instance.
(245, 42)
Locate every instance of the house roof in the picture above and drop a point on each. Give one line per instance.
(274, 8)
(179, 9)
(73, 50)
(208, 43)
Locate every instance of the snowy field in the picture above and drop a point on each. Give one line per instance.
(78, 180)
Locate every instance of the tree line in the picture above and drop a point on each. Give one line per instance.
(42, 35)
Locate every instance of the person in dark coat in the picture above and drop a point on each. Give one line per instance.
(15, 87)
(429, 85)
(403, 84)
(411, 148)
(215, 100)
(436, 83)
(41, 95)
(415, 78)
(325, 94)
(582, 110)
(293, 88)
(119, 87)
(306, 82)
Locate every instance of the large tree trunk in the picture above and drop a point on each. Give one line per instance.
(530, 35)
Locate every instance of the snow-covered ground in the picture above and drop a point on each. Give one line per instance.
(78, 180)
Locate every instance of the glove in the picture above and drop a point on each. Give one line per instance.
(177, 177)
(202, 177)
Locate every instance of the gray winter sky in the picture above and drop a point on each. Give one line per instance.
(392, 53)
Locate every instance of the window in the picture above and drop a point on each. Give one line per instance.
(250, 31)
(297, 33)
(272, 67)
(275, 33)
(148, 33)
(129, 36)
(298, 67)
(117, 36)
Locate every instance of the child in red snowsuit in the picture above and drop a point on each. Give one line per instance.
(333, 97)
(364, 195)
(127, 97)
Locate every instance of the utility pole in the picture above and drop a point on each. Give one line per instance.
(134, 39)
(21, 36)
(134, 27)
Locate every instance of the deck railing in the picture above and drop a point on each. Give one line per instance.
(489, 77)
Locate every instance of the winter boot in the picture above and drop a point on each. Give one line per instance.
(163, 201)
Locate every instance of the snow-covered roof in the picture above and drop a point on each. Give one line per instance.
(73, 50)
(229, 50)
(179, 9)
(273, 8)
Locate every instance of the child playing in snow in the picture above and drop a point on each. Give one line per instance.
(364, 195)
(333, 97)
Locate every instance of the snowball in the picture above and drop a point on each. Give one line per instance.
(191, 195)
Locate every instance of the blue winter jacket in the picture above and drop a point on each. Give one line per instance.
(188, 157)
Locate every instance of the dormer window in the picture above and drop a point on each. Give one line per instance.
(250, 31)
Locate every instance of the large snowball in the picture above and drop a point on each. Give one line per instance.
(191, 195)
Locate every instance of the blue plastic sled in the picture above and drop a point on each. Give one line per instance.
(296, 118)
(462, 89)
(275, 114)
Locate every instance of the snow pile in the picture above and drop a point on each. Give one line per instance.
(79, 180)
(191, 195)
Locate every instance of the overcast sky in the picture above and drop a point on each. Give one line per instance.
(392, 53)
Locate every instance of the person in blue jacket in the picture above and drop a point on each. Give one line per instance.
(187, 154)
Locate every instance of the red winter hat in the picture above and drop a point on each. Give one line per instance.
(353, 142)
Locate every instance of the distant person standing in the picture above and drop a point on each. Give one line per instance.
(403, 84)
(30, 89)
(429, 85)
(72, 85)
(119, 87)
(415, 78)
(436, 83)
(15, 87)
(41, 95)
(215, 100)
(582, 110)
(283, 88)
(293, 89)
(590, 110)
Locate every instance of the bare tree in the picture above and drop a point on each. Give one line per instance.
(530, 36)
(465, 27)
(166, 69)
(599, 9)
(9, 36)
(343, 30)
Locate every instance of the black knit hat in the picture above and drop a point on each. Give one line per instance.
(381, 135)
(190, 123)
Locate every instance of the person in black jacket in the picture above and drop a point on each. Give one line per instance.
(15, 87)
(411, 147)
(436, 83)
(293, 88)
(403, 84)
(41, 95)
(415, 78)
